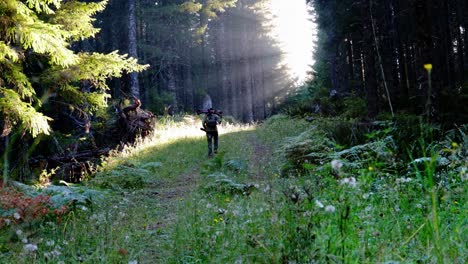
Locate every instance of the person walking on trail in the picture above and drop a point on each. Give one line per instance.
(210, 125)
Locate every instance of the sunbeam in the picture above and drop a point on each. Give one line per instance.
(293, 28)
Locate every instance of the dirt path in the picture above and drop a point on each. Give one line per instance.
(169, 193)
(260, 158)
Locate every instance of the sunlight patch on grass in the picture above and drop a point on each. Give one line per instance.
(169, 131)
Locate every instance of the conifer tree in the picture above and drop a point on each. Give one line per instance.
(39, 70)
(37, 63)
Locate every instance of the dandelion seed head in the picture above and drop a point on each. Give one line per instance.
(336, 165)
(351, 182)
(330, 208)
(319, 204)
(30, 247)
(17, 216)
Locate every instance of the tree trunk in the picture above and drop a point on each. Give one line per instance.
(132, 47)
(172, 89)
(224, 63)
(424, 51)
(246, 81)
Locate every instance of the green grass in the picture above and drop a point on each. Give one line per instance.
(238, 208)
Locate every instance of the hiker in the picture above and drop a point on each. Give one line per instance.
(210, 126)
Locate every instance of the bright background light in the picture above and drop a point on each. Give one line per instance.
(294, 30)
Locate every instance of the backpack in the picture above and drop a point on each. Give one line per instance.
(211, 121)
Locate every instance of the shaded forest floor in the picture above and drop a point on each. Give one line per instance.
(280, 192)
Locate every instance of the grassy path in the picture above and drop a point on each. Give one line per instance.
(169, 203)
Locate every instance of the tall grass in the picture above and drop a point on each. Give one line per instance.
(239, 208)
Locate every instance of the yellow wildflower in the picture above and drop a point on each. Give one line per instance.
(371, 168)
(454, 144)
(428, 67)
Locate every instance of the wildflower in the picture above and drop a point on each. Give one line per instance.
(16, 216)
(336, 165)
(371, 168)
(319, 204)
(402, 180)
(454, 144)
(50, 243)
(19, 232)
(24, 240)
(7, 221)
(330, 208)
(351, 181)
(30, 247)
(428, 66)
(133, 262)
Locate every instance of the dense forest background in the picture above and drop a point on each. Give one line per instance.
(374, 59)
(407, 56)
(197, 50)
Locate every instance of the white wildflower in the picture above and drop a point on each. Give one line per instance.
(403, 180)
(133, 262)
(16, 216)
(84, 208)
(19, 232)
(61, 262)
(330, 208)
(30, 247)
(24, 240)
(50, 243)
(56, 253)
(208, 205)
(351, 181)
(319, 204)
(127, 239)
(336, 165)
(366, 196)
(7, 221)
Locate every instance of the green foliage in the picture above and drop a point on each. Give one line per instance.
(15, 109)
(41, 31)
(121, 177)
(222, 184)
(323, 213)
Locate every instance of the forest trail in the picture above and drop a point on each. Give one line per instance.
(169, 193)
(259, 158)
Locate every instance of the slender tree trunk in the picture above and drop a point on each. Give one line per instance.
(382, 72)
(171, 87)
(424, 51)
(461, 44)
(246, 81)
(189, 89)
(369, 63)
(132, 47)
(224, 63)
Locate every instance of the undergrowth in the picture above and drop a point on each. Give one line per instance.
(285, 191)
